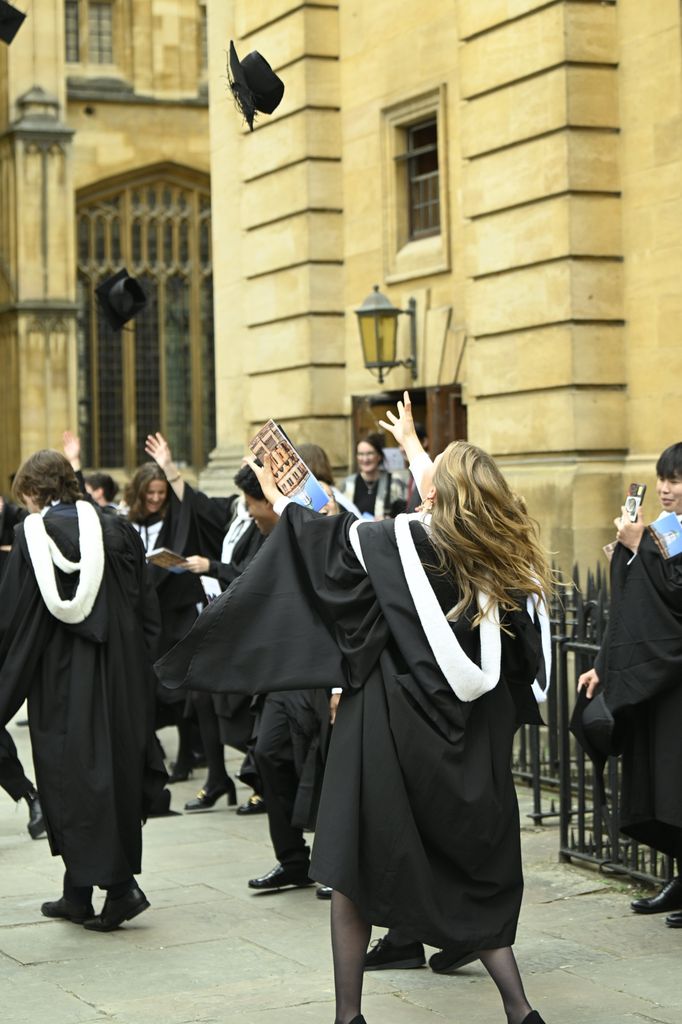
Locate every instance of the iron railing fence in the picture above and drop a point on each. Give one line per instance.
(549, 759)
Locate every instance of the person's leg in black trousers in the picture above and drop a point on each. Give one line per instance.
(16, 784)
(275, 761)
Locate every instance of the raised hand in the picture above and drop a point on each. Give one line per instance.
(402, 425)
(266, 479)
(71, 444)
(628, 533)
(157, 447)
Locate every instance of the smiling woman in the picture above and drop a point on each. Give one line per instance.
(373, 490)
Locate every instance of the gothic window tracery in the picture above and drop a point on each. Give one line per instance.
(158, 373)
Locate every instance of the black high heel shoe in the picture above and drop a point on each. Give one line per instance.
(206, 798)
(533, 1018)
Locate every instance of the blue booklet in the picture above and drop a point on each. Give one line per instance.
(667, 533)
(292, 476)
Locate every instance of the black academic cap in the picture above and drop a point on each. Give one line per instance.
(10, 21)
(254, 84)
(120, 298)
(593, 724)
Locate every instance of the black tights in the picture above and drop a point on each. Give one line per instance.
(350, 937)
(210, 740)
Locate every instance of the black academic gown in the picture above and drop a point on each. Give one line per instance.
(9, 517)
(90, 700)
(640, 670)
(194, 526)
(418, 820)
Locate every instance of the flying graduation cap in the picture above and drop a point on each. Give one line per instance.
(120, 298)
(254, 84)
(10, 21)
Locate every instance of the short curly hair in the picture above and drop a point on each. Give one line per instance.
(46, 476)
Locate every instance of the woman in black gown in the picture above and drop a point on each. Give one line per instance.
(427, 623)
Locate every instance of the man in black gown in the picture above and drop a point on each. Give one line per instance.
(77, 625)
(637, 673)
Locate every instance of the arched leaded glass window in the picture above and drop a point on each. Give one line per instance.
(158, 373)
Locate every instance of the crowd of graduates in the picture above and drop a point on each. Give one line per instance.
(371, 663)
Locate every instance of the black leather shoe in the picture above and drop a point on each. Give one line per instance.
(446, 962)
(116, 911)
(324, 892)
(533, 1018)
(280, 877)
(36, 822)
(669, 898)
(68, 911)
(385, 956)
(179, 773)
(674, 920)
(254, 805)
(206, 798)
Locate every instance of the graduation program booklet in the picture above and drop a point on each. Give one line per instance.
(667, 533)
(166, 559)
(292, 476)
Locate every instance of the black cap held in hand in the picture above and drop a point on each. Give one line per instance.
(120, 298)
(10, 21)
(254, 84)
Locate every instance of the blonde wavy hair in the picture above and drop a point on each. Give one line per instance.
(482, 534)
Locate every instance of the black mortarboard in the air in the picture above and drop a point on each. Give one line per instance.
(120, 298)
(10, 21)
(254, 84)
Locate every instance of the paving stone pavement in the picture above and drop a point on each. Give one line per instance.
(209, 951)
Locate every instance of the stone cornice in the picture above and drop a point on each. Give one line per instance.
(112, 90)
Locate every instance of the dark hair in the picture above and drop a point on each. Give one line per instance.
(247, 481)
(136, 491)
(669, 465)
(106, 482)
(46, 476)
(377, 442)
(317, 462)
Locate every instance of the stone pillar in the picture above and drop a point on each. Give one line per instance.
(37, 255)
(545, 299)
(276, 195)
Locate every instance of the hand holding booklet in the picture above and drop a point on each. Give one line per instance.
(166, 559)
(292, 476)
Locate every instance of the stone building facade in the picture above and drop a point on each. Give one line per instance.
(547, 297)
(513, 166)
(104, 162)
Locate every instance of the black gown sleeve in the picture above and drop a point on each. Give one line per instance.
(25, 628)
(303, 615)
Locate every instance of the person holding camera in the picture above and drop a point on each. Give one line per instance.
(636, 678)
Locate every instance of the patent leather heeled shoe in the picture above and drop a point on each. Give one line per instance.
(533, 1018)
(207, 798)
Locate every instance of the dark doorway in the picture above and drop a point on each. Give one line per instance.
(439, 408)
